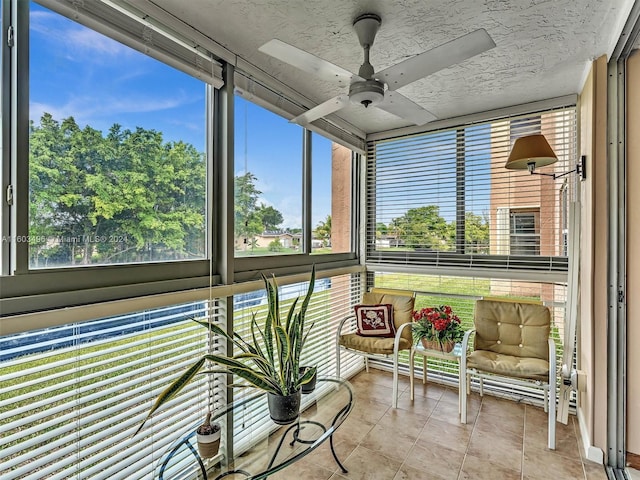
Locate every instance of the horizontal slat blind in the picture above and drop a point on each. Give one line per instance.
(444, 198)
(72, 396)
(461, 294)
(330, 303)
(139, 31)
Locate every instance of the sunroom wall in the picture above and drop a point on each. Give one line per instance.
(592, 319)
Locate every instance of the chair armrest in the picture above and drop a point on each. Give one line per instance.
(463, 352)
(340, 325)
(465, 340)
(396, 342)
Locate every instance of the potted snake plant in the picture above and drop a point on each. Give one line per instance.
(269, 359)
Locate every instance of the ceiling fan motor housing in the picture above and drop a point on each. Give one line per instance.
(367, 92)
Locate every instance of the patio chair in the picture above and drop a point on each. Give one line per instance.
(511, 342)
(388, 340)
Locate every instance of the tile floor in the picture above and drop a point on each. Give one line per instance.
(423, 439)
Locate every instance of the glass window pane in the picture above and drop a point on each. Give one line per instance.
(268, 182)
(331, 196)
(116, 157)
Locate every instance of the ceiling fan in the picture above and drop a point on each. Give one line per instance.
(368, 87)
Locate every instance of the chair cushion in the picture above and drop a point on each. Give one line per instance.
(402, 308)
(512, 328)
(375, 320)
(372, 344)
(508, 365)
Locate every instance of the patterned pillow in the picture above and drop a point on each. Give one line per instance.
(375, 320)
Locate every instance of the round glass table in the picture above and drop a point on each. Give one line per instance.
(259, 446)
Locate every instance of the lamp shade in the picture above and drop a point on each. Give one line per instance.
(532, 149)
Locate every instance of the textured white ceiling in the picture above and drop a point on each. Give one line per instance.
(543, 46)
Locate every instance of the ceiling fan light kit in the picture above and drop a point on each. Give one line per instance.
(369, 88)
(367, 92)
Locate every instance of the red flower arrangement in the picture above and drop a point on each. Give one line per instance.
(437, 324)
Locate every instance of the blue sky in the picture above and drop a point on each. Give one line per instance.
(75, 71)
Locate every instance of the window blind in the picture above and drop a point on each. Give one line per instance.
(444, 199)
(141, 32)
(73, 395)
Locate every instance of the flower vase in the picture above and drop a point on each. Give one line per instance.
(446, 346)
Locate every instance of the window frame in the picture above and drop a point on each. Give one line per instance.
(514, 213)
(455, 261)
(27, 290)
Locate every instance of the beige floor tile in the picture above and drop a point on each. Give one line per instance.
(596, 471)
(381, 377)
(449, 412)
(475, 468)
(502, 407)
(420, 404)
(502, 440)
(365, 464)
(323, 457)
(353, 429)
(453, 436)
(429, 390)
(393, 444)
(408, 423)
(544, 465)
(434, 458)
(410, 473)
(500, 447)
(303, 469)
(451, 396)
(537, 434)
(494, 424)
(369, 410)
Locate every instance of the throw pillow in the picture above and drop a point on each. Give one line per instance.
(375, 320)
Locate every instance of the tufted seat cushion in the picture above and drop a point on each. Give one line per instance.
(521, 367)
(379, 345)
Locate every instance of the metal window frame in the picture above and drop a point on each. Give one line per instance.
(617, 255)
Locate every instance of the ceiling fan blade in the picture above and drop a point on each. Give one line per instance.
(305, 61)
(436, 59)
(402, 107)
(319, 111)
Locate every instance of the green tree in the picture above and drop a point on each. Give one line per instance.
(270, 217)
(424, 228)
(275, 245)
(252, 219)
(381, 229)
(125, 197)
(247, 223)
(323, 231)
(476, 233)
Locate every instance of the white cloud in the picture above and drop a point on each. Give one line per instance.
(74, 41)
(85, 108)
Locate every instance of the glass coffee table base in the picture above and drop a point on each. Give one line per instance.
(297, 439)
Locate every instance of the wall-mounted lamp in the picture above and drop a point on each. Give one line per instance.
(533, 151)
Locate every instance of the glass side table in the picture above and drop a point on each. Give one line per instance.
(322, 413)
